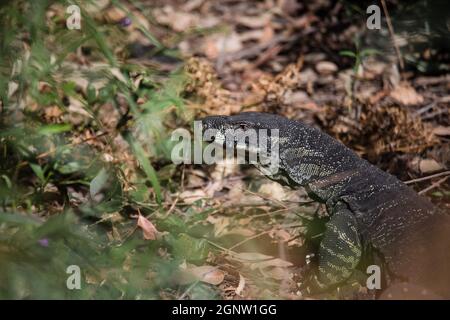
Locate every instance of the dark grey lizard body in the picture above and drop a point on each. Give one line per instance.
(366, 205)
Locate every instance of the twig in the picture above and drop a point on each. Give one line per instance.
(267, 55)
(391, 32)
(228, 251)
(435, 113)
(425, 109)
(440, 174)
(248, 239)
(172, 207)
(182, 179)
(432, 186)
(185, 293)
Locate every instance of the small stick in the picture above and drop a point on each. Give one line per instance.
(432, 186)
(248, 239)
(172, 207)
(440, 174)
(391, 31)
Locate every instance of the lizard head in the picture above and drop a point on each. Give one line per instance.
(242, 127)
(304, 153)
(258, 134)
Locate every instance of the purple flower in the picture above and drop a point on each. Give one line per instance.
(43, 242)
(125, 22)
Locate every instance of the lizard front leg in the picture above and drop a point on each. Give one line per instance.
(340, 249)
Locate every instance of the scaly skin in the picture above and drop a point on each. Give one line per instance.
(367, 206)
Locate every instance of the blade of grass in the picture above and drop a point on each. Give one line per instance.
(148, 169)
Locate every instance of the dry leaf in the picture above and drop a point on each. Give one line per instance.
(141, 21)
(216, 45)
(422, 166)
(207, 274)
(406, 95)
(77, 113)
(192, 5)
(240, 286)
(429, 166)
(441, 131)
(254, 22)
(118, 74)
(52, 112)
(267, 34)
(373, 68)
(12, 88)
(326, 67)
(147, 227)
(220, 225)
(194, 181)
(114, 15)
(289, 7)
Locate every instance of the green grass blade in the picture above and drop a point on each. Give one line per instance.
(148, 169)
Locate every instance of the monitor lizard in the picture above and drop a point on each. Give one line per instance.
(367, 206)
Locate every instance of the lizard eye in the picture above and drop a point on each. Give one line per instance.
(243, 125)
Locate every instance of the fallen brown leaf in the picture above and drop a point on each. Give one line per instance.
(222, 44)
(240, 286)
(254, 22)
(406, 95)
(207, 274)
(429, 166)
(441, 131)
(114, 15)
(147, 227)
(326, 67)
